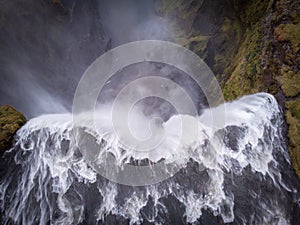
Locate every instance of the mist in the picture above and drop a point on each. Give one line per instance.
(46, 47)
(133, 20)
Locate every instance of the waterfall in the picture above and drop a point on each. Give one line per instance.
(239, 172)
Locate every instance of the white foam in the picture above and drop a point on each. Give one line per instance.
(42, 137)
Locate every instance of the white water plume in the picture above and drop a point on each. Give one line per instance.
(52, 182)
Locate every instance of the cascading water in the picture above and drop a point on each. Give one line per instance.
(238, 173)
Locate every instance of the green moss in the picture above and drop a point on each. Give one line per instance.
(246, 76)
(293, 119)
(238, 84)
(198, 38)
(183, 12)
(243, 49)
(196, 44)
(289, 32)
(226, 43)
(237, 27)
(187, 7)
(10, 121)
(253, 11)
(182, 15)
(290, 84)
(231, 29)
(226, 26)
(295, 16)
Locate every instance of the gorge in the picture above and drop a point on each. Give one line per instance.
(243, 172)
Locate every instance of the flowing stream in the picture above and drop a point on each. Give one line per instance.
(238, 173)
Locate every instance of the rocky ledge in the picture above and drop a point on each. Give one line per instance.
(251, 46)
(10, 121)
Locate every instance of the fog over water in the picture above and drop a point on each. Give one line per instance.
(45, 47)
(133, 20)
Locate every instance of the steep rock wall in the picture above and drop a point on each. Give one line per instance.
(251, 46)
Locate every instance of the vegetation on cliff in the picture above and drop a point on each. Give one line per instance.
(293, 119)
(10, 121)
(251, 46)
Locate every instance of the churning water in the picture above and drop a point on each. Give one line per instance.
(237, 173)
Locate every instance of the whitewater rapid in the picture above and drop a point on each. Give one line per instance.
(237, 171)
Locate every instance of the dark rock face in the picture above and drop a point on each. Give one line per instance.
(10, 121)
(45, 48)
(251, 46)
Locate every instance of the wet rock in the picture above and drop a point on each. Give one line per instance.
(254, 47)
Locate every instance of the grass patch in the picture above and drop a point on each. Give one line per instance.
(246, 77)
(290, 84)
(289, 32)
(293, 119)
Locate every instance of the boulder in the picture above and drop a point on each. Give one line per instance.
(10, 121)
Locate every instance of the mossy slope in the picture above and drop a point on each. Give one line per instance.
(293, 119)
(251, 46)
(10, 121)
